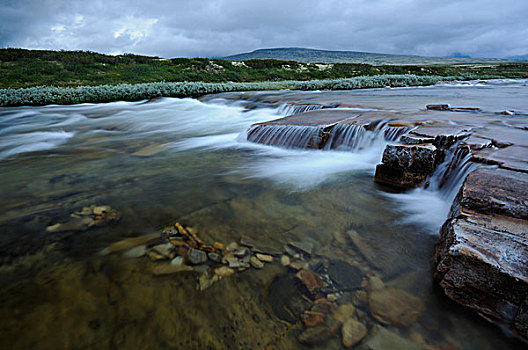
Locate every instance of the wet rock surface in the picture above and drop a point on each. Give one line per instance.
(482, 257)
(406, 166)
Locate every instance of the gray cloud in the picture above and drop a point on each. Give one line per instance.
(169, 28)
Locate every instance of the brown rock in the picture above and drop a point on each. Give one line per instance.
(264, 257)
(352, 332)
(285, 260)
(344, 312)
(219, 245)
(440, 107)
(312, 319)
(256, 263)
(224, 271)
(406, 166)
(298, 265)
(195, 256)
(395, 306)
(155, 256)
(311, 281)
(315, 335)
(482, 256)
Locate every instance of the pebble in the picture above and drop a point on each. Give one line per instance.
(219, 245)
(395, 306)
(285, 260)
(352, 332)
(311, 281)
(344, 312)
(241, 252)
(305, 247)
(224, 271)
(256, 263)
(135, 252)
(375, 283)
(231, 247)
(312, 319)
(264, 257)
(361, 296)
(232, 261)
(155, 256)
(298, 265)
(165, 249)
(195, 256)
(214, 257)
(331, 297)
(205, 282)
(177, 261)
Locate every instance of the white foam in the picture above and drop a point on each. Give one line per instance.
(32, 142)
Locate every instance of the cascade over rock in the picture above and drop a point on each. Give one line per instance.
(482, 256)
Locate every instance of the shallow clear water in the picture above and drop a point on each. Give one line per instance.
(187, 160)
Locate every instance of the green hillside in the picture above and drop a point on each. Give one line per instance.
(28, 68)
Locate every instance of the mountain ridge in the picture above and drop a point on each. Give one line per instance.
(309, 55)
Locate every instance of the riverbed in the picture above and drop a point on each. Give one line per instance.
(188, 160)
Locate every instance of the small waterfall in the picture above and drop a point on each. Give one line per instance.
(287, 136)
(350, 137)
(451, 173)
(393, 133)
(430, 205)
(291, 109)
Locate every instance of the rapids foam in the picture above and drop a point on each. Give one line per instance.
(430, 206)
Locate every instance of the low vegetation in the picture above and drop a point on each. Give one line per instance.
(37, 77)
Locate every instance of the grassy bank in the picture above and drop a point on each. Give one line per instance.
(28, 68)
(128, 92)
(37, 77)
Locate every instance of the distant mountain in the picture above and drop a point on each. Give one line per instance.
(324, 56)
(520, 57)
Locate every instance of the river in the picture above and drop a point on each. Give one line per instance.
(188, 160)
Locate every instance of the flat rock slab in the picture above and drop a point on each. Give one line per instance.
(499, 191)
(315, 118)
(512, 157)
(482, 256)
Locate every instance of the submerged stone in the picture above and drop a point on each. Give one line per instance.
(195, 256)
(395, 306)
(285, 298)
(381, 338)
(345, 275)
(310, 280)
(352, 332)
(256, 263)
(315, 335)
(344, 312)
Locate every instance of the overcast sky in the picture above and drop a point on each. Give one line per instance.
(170, 28)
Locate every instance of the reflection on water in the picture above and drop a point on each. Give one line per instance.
(185, 160)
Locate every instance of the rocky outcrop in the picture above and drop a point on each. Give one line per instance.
(482, 257)
(406, 166)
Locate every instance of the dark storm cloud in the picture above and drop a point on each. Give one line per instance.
(486, 28)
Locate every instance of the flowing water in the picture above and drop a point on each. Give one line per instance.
(189, 161)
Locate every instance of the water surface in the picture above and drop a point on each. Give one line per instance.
(187, 160)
